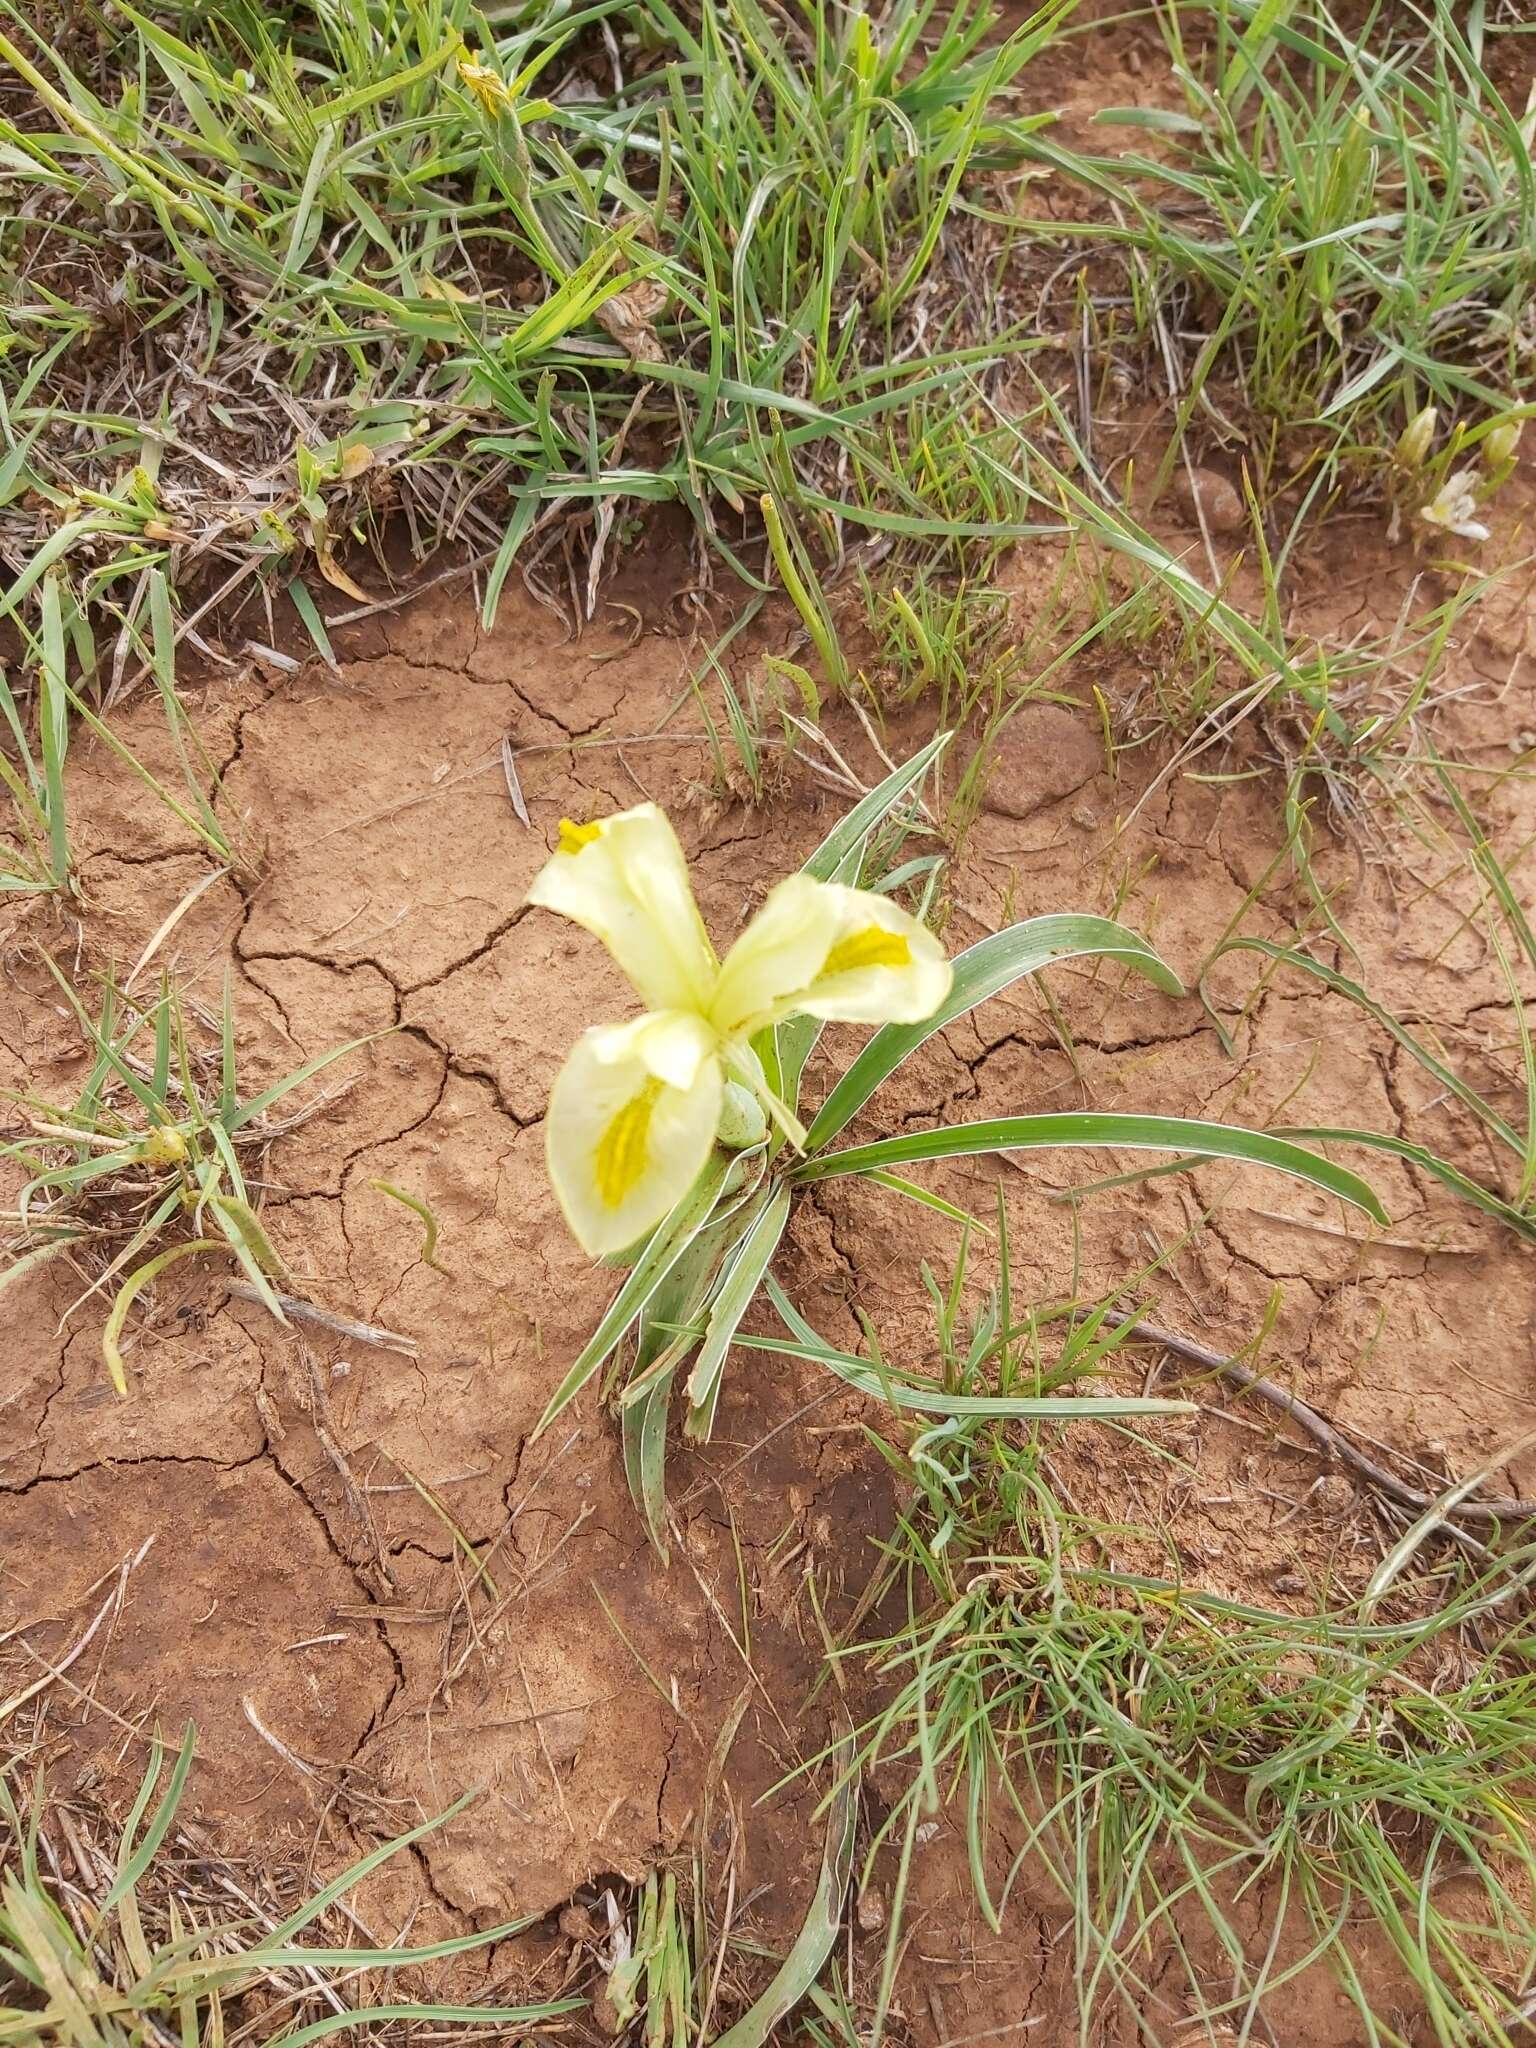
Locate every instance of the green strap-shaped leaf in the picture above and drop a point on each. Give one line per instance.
(662, 1253)
(984, 970)
(1092, 1127)
(134, 1862)
(813, 1944)
(478, 2016)
(643, 1425)
(731, 1304)
(250, 1245)
(786, 1047)
(1292, 956)
(1428, 1162)
(669, 1327)
(111, 1351)
(924, 1398)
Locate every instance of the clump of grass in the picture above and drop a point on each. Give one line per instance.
(1341, 219)
(132, 1945)
(670, 1974)
(1221, 1795)
(35, 852)
(502, 287)
(397, 271)
(159, 1139)
(1345, 721)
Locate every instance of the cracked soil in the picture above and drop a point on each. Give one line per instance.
(306, 1598)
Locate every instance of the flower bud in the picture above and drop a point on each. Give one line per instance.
(742, 1121)
(1413, 443)
(165, 1146)
(1501, 443)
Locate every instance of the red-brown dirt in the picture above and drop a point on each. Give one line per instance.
(306, 1605)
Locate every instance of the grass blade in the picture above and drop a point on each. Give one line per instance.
(845, 838)
(924, 1398)
(137, 1280)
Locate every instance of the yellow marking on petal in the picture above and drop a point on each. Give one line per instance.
(574, 837)
(873, 947)
(620, 1158)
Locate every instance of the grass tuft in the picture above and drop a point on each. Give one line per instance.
(1222, 1796)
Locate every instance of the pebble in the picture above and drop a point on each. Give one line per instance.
(1047, 752)
(1220, 501)
(870, 1910)
(576, 1923)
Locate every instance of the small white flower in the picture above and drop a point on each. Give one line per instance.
(1454, 505)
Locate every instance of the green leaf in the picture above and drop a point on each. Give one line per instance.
(250, 1245)
(785, 1049)
(140, 1277)
(643, 1425)
(901, 1390)
(1429, 1162)
(133, 1863)
(265, 1100)
(911, 1192)
(847, 838)
(1162, 120)
(982, 971)
(53, 725)
(1292, 956)
(668, 1244)
(309, 614)
(320, 1902)
(731, 1304)
(479, 2016)
(813, 1944)
(1093, 1127)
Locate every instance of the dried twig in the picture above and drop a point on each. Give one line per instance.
(1324, 1433)
(306, 1312)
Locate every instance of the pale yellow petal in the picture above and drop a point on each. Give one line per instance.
(779, 952)
(830, 951)
(624, 879)
(632, 1118)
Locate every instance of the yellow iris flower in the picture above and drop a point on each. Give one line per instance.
(634, 1111)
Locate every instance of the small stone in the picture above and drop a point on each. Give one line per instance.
(869, 1912)
(1046, 753)
(1208, 491)
(1333, 1494)
(564, 1733)
(577, 1924)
